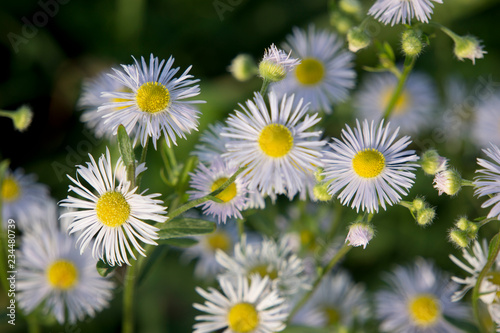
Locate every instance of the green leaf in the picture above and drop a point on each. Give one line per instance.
(493, 241)
(104, 269)
(179, 242)
(183, 227)
(127, 153)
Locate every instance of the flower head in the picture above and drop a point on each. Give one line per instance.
(448, 181)
(369, 167)
(402, 11)
(360, 234)
(276, 64)
(487, 183)
(115, 215)
(468, 47)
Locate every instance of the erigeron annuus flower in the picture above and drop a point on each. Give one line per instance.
(325, 74)
(274, 143)
(276, 64)
(91, 99)
(115, 215)
(157, 102)
(23, 199)
(369, 167)
(244, 306)
(487, 183)
(337, 301)
(413, 109)
(267, 258)
(402, 11)
(52, 273)
(448, 181)
(418, 300)
(207, 179)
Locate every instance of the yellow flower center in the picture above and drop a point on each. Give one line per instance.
(275, 140)
(152, 97)
(121, 100)
(263, 271)
(332, 315)
(310, 71)
(112, 209)
(402, 103)
(368, 163)
(243, 317)
(219, 240)
(425, 310)
(62, 274)
(10, 189)
(229, 192)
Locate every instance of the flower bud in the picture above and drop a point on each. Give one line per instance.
(448, 181)
(432, 163)
(459, 238)
(357, 39)
(276, 64)
(360, 234)
(468, 47)
(419, 204)
(318, 174)
(411, 43)
(320, 191)
(462, 223)
(21, 118)
(425, 216)
(352, 7)
(243, 67)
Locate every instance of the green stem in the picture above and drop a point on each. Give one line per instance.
(265, 84)
(466, 182)
(340, 254)
(8, 114)
(128, 300)
(408, 66)
(143, 160)
(492, 255)
(241, 228)
(210, 196)
(33, 325)
(486, 221)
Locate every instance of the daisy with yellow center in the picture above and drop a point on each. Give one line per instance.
(275, 260)
(155, 104)
(325, 73)
(274, 143)
(206, 180)
(418, 299)
(244, 306)
(368, 167)
(23, 199)
(91, 99)
(413, 109)
(115, 215)
(53, 274)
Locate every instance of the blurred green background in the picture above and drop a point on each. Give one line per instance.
(44, 68)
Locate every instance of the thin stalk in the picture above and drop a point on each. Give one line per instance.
(466, 182)
(265, 84)
(33, 324)
(408, 66)
(340, 254)
(241, 228)
(128, 300)
(143, 160)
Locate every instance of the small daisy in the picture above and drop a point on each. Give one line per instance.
(244, 306)
(368, 167)
(23, 199)
(156, 103)
(267, 258)
(212, 145)
(475, 262)
(325, 74)
(91, 99)
(275, 144)
(114, 215)
(337, 301)
(402, 11)
(52, 272)
(418, 301)
(486, 125)
(276, 64)
(206, 180)
(224, 239)
(487, 183)
(413, 109)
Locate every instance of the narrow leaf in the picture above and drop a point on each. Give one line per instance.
(183, 227)
(179, 242)
(104, 269)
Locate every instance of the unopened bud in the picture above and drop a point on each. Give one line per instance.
(352, 7)
(411, 43)
(448, 181)
(360, 234)
(468, 47)
(320, 191)
(425, 216)
(243, 67)
(432, 163)
(459, 238)
(357, 39)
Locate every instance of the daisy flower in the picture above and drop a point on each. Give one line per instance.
(487, 183)
(402, 11)
(156, 104)
(276, 64)
(369, 167)
(413, 109)
(223, 239)
(274, 143)
(267, 258)
(337, 301)
(325, 74)
(91, 99)
(115, 215)
(206, 180)
(244, 306)
(417, 300)
(52, 272)
(486, 125)
(23, 199)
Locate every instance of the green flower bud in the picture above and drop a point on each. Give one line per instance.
(411, 43)
(419, 204)
(320, 191)
(459, 238)
(357, 39)
(432, 163)
(448, 181)
(462, 223)
(243, 67)
(318, 175)
(352, 7)
(468, 47)
(425, 216)
(22, 118)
